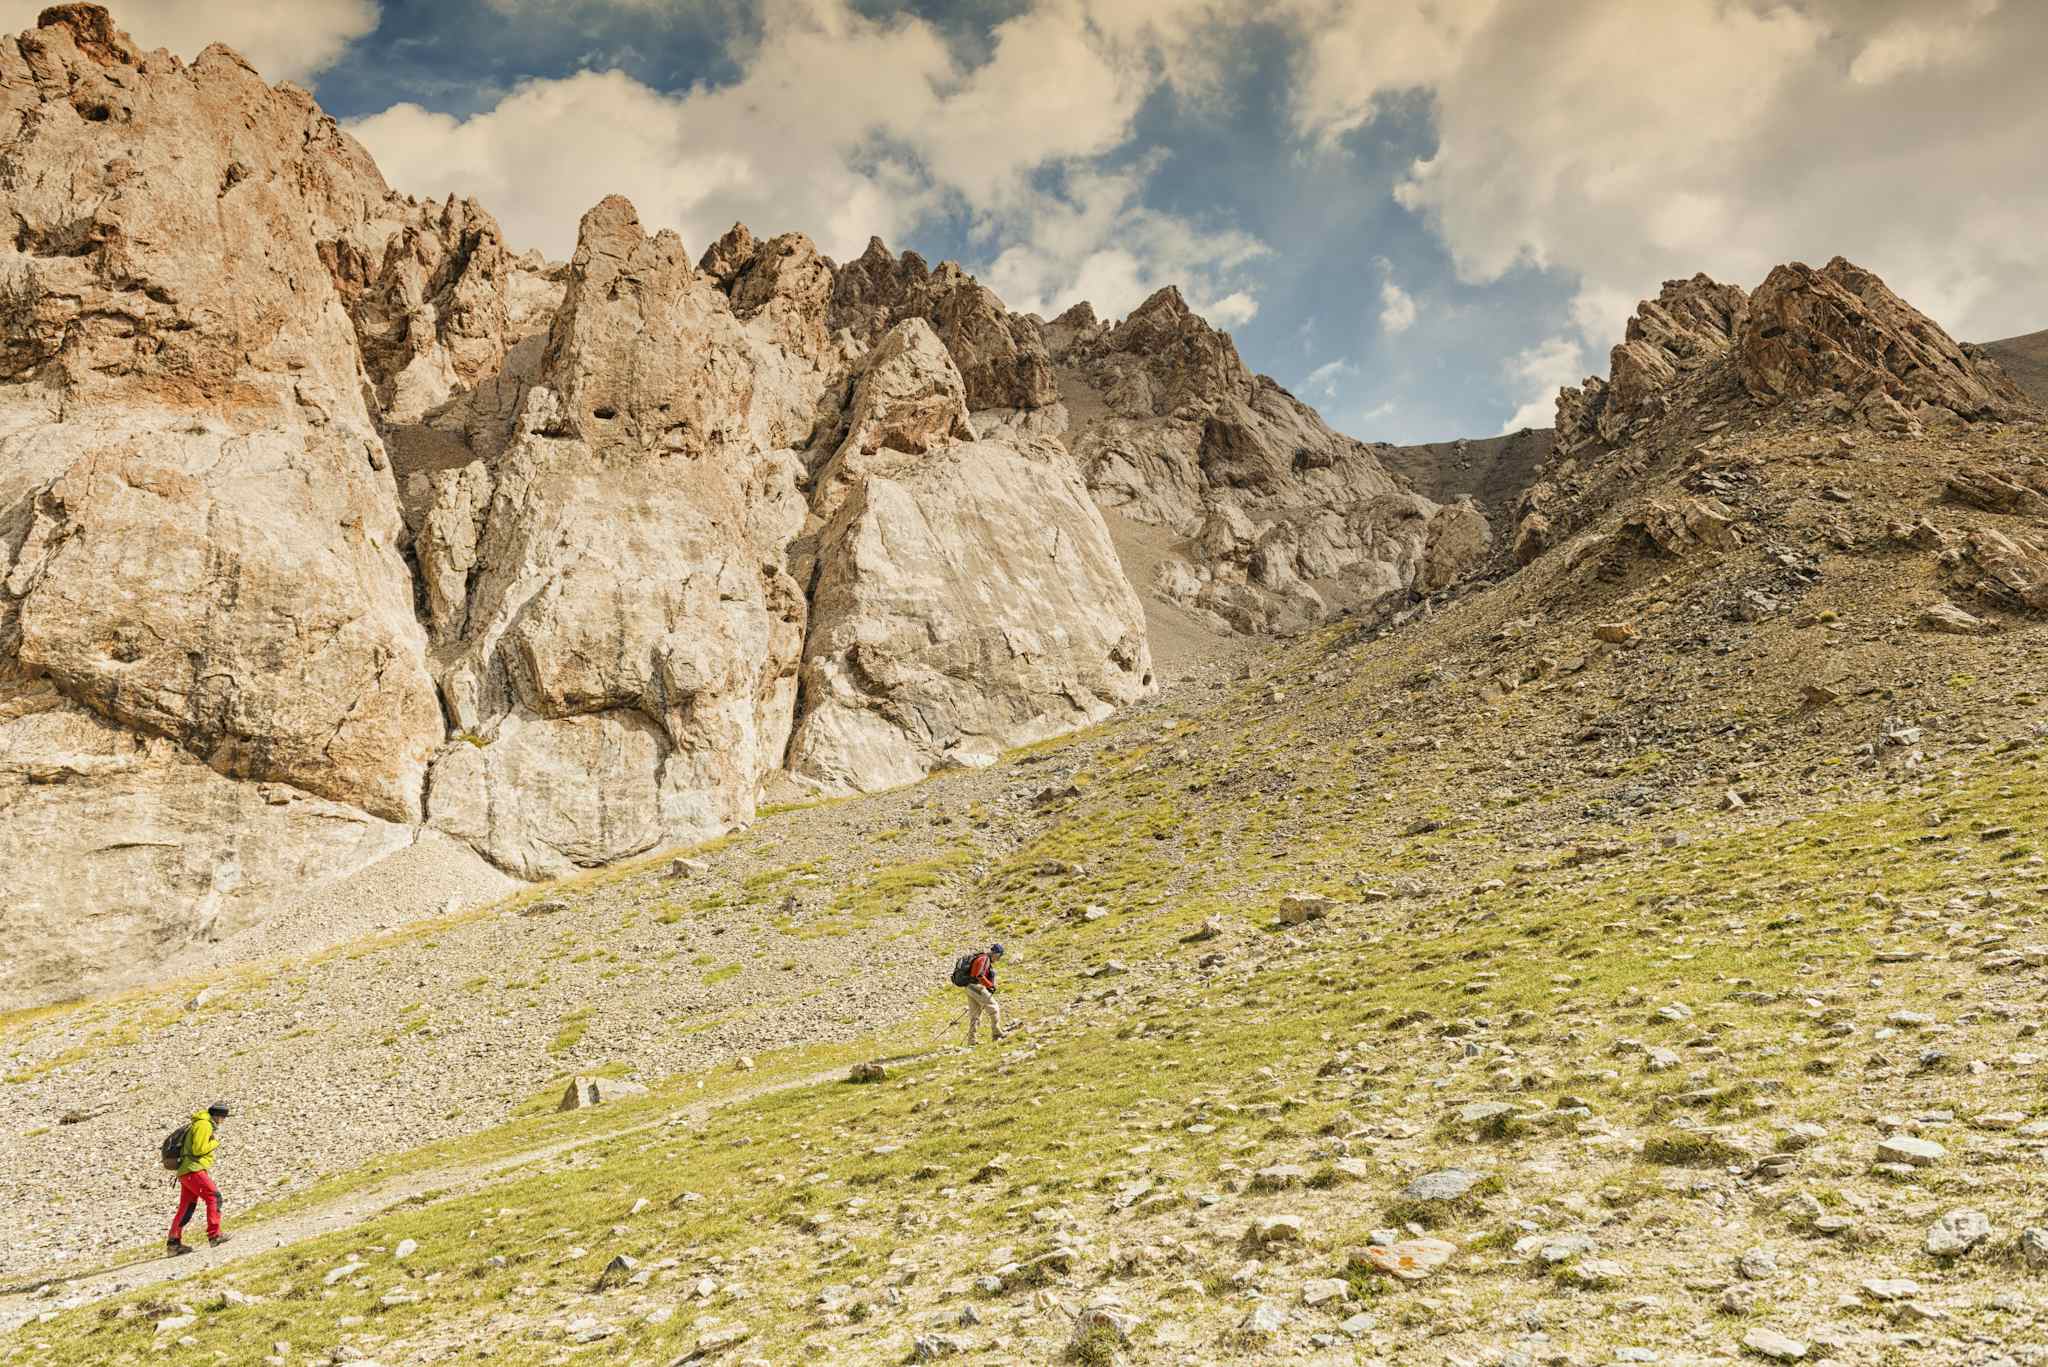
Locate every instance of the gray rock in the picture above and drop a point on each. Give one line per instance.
(1909, 1150)
(1774, 1345)
(1957, 1232)
(1447, 1184)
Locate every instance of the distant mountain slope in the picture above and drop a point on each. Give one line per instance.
(2025, 359)
(1491, 471)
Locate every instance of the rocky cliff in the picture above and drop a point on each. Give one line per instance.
(329, 522)
(1833, 347)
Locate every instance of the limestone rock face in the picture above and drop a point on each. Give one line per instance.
(1839, 331)
(620, 633)
(967, 599)
(909, 399)
(122, 848)
(200, 549)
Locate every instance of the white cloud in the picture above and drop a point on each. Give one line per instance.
(845, 126)
(1324, 378)
(1604, 141)
(1538, 373)
(1915, 43)
(1397, 309)
(1100, 243)
(285, 41)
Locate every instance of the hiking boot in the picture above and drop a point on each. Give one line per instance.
(216, 1240)
(172, 1248)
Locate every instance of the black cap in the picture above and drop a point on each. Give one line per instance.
(218, 1108)
(996, 950)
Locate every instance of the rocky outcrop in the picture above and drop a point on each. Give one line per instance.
(965, 595)
(1001, 356)
(1285, 522)
(1840, 334)
(1687, 327)
(1833, 343)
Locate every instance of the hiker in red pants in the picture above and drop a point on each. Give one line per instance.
(195, 1180)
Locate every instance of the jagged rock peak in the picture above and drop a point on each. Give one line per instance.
(724, 259)
(1837, 336)
(1689, 325)
(1840, 331)
(1002, 355)
(93, 30)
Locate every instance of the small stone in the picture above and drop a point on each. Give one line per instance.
(1614, 633)
(1757, 1264)
(1906, 1149)
(1297, 908)
(1276, 1229)
(1446, 1184)
(1774, 1345)
(1594, 1273)
(406, 1248)
(1890, 1288)
(1264, 1321)
(2034, 1245)
(1410, 1260)
(719, 1337)
(1957, 1232)
(1323, 1290)
(1553, 1248)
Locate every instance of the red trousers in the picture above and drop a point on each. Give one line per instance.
(194, 1187)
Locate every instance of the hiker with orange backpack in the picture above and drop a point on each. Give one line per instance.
(977, 973)
(189, 1150)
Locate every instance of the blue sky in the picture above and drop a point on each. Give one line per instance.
(1420, 215)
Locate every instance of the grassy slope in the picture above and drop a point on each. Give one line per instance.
(1764, 930)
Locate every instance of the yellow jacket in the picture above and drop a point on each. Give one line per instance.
(199, 1145)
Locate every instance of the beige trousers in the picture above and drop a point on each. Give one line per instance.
(980, 999)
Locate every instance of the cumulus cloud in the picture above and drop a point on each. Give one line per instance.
(1324, 378)
(1397, 306)
(1602, 142)
(286, 42)
(1537, 373)
(844, 126)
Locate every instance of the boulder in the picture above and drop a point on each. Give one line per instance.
(2010, 569)
(594, 1091)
